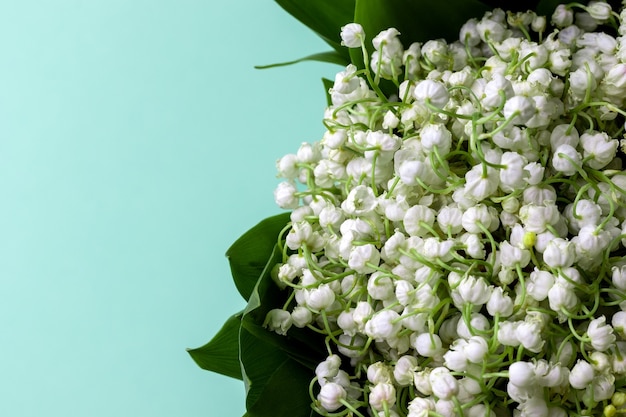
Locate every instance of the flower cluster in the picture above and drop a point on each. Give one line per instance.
(460, 242)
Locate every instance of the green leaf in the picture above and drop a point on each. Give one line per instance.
(249, 254)
(546, 7)
(328, 84)
(221, 354)
(332, 57)
(303, 345)
(324, 17)
(417, 21)
(518, 6)
(277, 386)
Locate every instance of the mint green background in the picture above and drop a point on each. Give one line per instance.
(136, 143)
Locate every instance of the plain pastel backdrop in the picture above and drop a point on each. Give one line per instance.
(137, 143)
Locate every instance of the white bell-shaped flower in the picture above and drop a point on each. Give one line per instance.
(352, 35)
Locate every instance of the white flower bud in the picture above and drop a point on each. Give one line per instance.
(331, 216)
(469, 33)
(390, 121)
(497, 89)
(511, 256)
(385, 39)
(520, 109)
(522, 374)
(580, 82)
(600, 361)
(474, 290)
(491, 30)
(559, 253)
(477, 185)
(285, 195)
(539, 283)
(599, 10)
(352, 35)
(476, 349)
(330, 396)
(433, 91)
(618, 276)
(320, 298)
(564, 134)
(538, 24)
(335, 139)
(473, 245)
(362, 312)
(601, 334)
(443, 384)
(561, 297)
(566, 160)
(512, 177)
(278, 320)
(427, 345)
(549, 375)
(346, 322)
(534, 407)
(475, 216)
(479, 410)
(308, 153)
(381, 395)
(404, 370)
(301, 316)
(562, 16)
(410, 60)
(391, 249)
(599, 149)
(499, 303)
(477, 322)
(328, 368)
(507, 333)
(456, 358)
(383, 325)
(351, 346)
(569, 35)
(415, 216)
(618, 321)
(603, 387)
(533, 173)
(529, 335)
(436, 51)
(362, 256)
(436, 136)
(559, 63)
(287, 166)
(581, 374)
(421, 407)
(378, 373)
(360, 200)
(380, 287)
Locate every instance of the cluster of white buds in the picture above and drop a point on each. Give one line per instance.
(461, 242)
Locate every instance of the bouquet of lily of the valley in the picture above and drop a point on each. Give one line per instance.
(456, 240)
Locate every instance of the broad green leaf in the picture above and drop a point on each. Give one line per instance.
(277, 386)
(518, 6)
(546, 7)
(221, 354)
(327, 86)
(417, 21)
(302, 345)
(324, 17)
(332, 57)
(249, 254)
